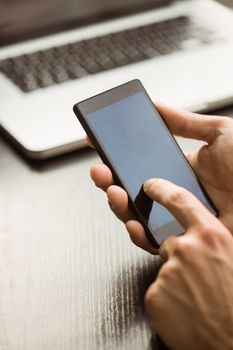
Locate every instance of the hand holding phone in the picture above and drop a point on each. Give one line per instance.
(132, 139)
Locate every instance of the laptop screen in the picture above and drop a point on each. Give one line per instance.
(25, 19)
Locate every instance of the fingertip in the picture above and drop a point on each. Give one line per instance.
(101, 175)
(162, 107)
(135, 228)
(94, 171)
(117, 194)
(153, 186)
(148, 184)
(118, 199)
(168, 111)
(138, 236)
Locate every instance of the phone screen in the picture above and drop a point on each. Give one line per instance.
(139, 147)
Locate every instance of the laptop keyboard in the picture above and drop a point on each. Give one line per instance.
(79, 59)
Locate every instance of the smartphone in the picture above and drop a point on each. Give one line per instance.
(134, 142)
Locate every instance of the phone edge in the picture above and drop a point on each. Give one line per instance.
(105, 160)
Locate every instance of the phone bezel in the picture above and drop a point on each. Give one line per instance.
(93, 104)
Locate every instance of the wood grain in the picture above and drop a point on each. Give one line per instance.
(69, 276)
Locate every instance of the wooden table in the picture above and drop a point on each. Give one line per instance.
(70, 279)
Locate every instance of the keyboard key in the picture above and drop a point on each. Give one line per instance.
(150, 52)
(91, 56)
(75, 71)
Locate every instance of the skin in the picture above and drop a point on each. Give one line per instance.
(190, 304)
(198, 263)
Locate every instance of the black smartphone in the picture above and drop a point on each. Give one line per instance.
(134, 142)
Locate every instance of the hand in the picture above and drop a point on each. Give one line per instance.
(191, 302)
(213, 164)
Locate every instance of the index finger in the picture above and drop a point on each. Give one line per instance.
(186, 208)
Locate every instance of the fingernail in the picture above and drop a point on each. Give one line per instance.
(147, 184)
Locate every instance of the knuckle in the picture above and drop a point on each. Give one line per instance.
(181, 247)
(184, 247)
(151, 294)
(222, 124)
(168, 270)
(219, 122)
(210, 235)
(176, 195)
(206, 230)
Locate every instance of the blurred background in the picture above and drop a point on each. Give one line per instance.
(70, 278)
(55, 53)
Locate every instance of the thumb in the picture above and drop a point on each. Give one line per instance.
(190, 125)
(201, 162)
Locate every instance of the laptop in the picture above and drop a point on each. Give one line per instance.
(55, 53)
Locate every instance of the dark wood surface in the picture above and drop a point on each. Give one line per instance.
(69, 276)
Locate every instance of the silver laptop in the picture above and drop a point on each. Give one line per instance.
(55, 53)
